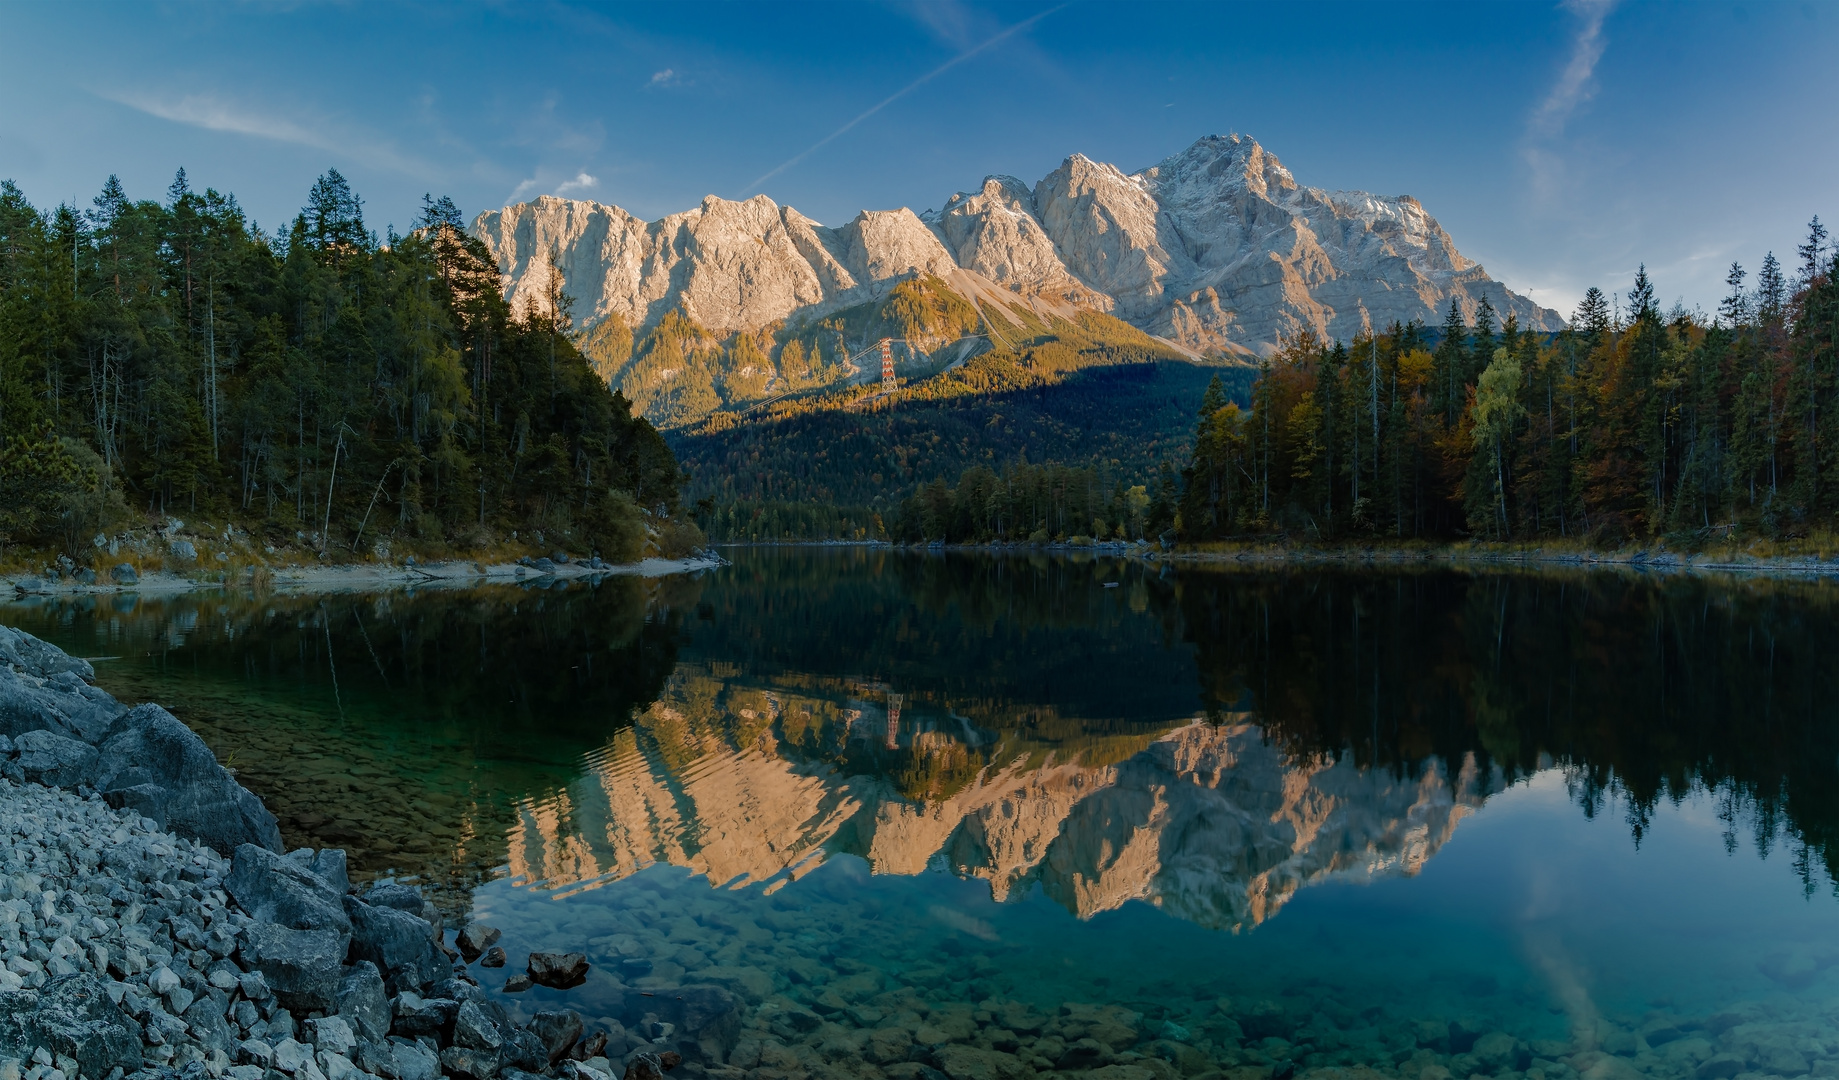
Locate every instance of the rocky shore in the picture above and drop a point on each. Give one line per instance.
(151, 926)
(61, 580)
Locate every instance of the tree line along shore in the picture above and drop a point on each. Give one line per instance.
(1635, 428)
(323, 391)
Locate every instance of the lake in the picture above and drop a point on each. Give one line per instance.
(997, 816)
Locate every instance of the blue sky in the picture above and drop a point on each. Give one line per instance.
(1560, 144)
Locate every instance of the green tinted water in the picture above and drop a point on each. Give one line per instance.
(991, 807)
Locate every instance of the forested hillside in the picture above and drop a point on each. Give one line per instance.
(1618, 429)
(1085, 410)
(681, 374)
(317, 385)
(1632, 424)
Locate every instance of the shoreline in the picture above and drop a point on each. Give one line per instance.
(1660, 561)
(1642, 560)
(362, 577)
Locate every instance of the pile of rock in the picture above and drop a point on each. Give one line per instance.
(150, 925)
(130, 951)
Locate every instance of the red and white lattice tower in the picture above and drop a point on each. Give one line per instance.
(887, 365)
(893, 721)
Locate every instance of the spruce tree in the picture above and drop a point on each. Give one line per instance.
(1641, 297)
(1811, 250)
(1592, 319)
(1449, 372)
(1735, 307)
(1480, 352)
(1771, 290)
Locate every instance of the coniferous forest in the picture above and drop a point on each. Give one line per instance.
(1632, 425)
(317, 384)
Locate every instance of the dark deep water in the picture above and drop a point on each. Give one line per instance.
(1219, 818)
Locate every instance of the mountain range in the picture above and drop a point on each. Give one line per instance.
(1218, 250)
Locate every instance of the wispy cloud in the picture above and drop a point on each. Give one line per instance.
(1576, 83)
(523, 188)
(667, 77)
(212, 113)
(1546, 162)
(948, 21)
(581, 182)
(897, 95)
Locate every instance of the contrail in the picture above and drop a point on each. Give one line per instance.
(902, 92)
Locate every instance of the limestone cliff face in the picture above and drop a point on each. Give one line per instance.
(1211, 823)
(1218, 248)
(1266, 257)
(728, 265)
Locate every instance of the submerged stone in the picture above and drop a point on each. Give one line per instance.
(475, 938)
(560, 971)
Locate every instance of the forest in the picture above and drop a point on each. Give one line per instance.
(1632, 425)
(317, 385)
(1100, 400)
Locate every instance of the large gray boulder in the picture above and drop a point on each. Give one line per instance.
(43, 688)
(146, 760)
(51, 759)
(280, 889)
(302, 967)
(39, 659)
(155, 765)
(397, 942)
(327, 863)
(70, 1016)
(60, 702)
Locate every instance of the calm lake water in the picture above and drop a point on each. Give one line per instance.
(1000, 816)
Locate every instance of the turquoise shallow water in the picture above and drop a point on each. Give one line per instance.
(990, 816)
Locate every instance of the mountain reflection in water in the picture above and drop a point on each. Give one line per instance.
(1206, 740)
(1209, 821)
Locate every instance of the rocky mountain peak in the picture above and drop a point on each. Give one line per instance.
(1217, 247)
(1222, 161)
